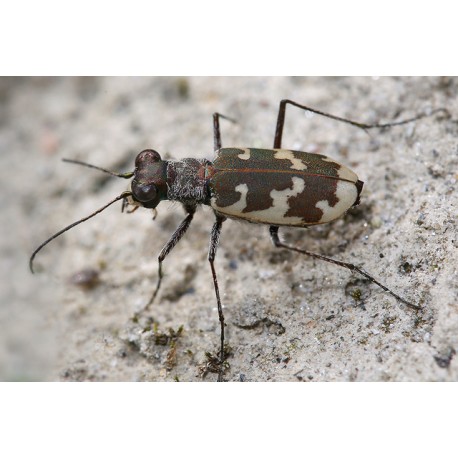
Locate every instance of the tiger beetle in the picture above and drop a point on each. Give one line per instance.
(276, 187)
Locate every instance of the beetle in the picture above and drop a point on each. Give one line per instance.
(276, 187)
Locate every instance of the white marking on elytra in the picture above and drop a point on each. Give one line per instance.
(275, 214)
(236, 208)
(297, 164)
(346, 193)
(245, 155)
(342, 171)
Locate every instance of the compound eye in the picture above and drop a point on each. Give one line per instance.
(147, 156)
(144, 192)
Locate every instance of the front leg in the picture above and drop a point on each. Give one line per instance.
(214, 240)
(168, 247)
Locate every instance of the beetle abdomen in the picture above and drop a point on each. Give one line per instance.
(281, 187)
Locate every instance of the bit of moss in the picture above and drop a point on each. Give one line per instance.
(363, 340)
(356, 294)
(291, 348)
(213, 364)
(183, 87)
(171, 358)
(419, 321)
(406, 267)
(166, 338)
(387, 323)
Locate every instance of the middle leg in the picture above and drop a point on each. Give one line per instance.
(214, 240)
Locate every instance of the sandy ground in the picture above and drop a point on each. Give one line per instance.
(289, 318)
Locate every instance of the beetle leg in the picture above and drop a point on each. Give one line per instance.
(214, 240)
(279, 244)
(169, 246)
(282, 109)
(217, 131)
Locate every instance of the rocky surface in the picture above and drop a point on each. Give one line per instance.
(289, 318)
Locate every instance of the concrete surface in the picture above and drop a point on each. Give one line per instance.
(289, 318)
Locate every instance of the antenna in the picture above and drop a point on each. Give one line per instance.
(65, 229)
(85, 164)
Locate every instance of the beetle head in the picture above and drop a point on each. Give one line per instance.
(149, 184)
